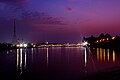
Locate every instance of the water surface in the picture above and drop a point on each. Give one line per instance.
(60, 63)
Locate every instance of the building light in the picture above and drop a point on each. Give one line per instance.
(18, 45)
(85, 43)
(113, 38)
(107, 39)
(34, 45)
(97, 41)
(21, 45)
(103, 39)
(25, 45)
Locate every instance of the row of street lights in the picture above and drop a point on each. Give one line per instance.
(22, 45)
(102, 40)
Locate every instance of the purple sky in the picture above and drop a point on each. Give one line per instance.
(58, 20)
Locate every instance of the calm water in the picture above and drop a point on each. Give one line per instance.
(66, 63)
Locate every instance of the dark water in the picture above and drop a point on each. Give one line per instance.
(66, 63)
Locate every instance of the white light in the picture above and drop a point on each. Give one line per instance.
(18, 45)
(85, 43)
(33, 45)
(85, 58)
(25, 45)
(21, 45)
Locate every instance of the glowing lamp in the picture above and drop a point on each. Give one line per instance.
(18, 45)
(103, 39)
(21, 45)
(97, 41)
(107, 38)
(113, 38)
(85, 43)
(25, 45)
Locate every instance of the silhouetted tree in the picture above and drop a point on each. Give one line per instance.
(101, 36)
(108, 36)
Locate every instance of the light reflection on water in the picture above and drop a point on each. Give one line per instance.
(108, 54)
(21, 60)
(53, 63)
(103, 55)
(108, 61)
(113, 56)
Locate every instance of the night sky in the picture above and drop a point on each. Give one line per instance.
(58, 20)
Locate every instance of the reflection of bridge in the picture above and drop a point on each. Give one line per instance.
(21, 60)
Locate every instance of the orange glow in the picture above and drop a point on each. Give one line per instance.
(97, 41)
(103, 39)
(98, 54)
(113, 38)
(108, 54)
(104, 54)
(100, 40)
(113, 56)
(107, 38)
(101, 54)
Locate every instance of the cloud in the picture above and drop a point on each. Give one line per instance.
(69, 9)
(13, 2)
(41, 18)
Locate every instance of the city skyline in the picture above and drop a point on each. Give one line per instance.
(58, 21)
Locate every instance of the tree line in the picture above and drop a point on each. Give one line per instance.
(103, 40)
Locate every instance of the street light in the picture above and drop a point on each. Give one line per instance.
(25, 45)
(21, 45)
(85, 43)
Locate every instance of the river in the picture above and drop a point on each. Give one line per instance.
(60, 63)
